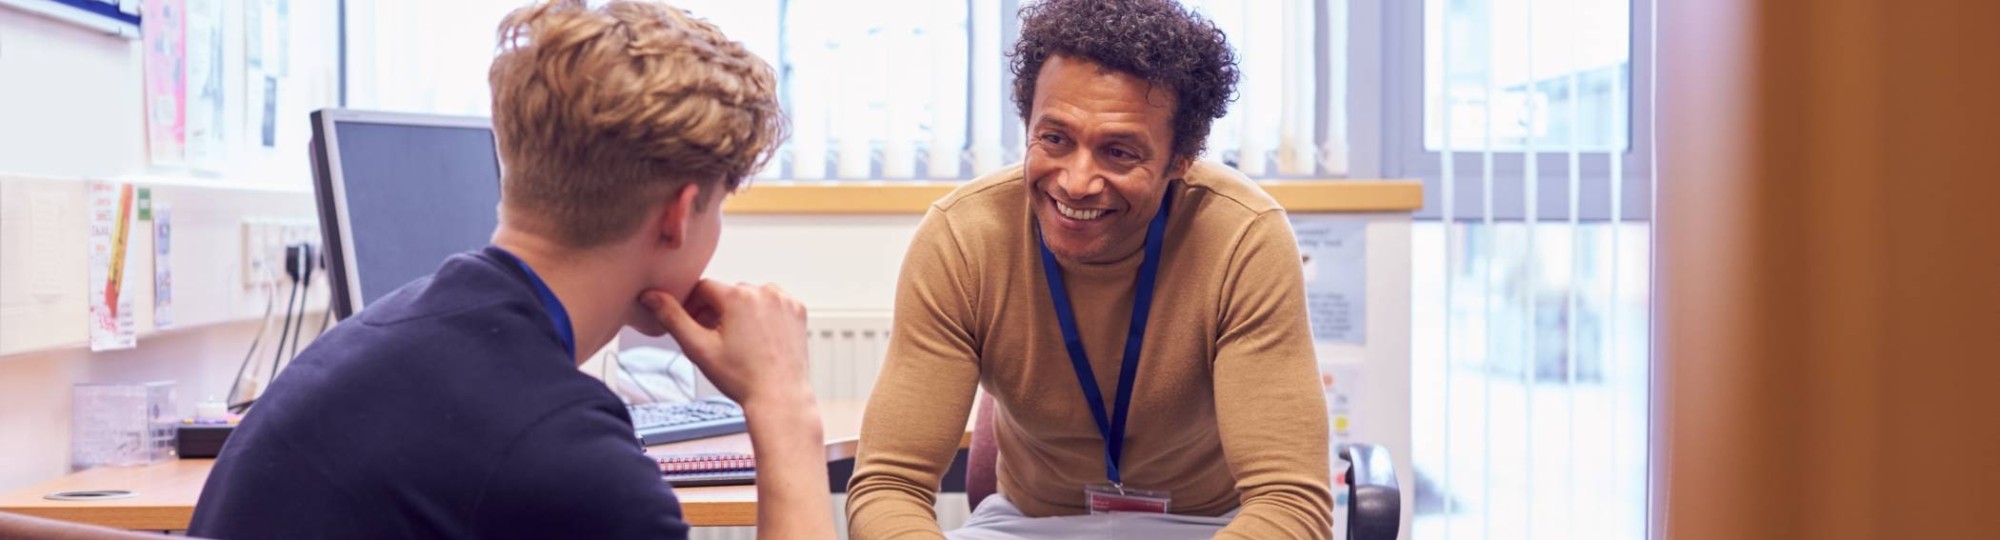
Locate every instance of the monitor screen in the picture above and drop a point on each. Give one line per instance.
(410, 194)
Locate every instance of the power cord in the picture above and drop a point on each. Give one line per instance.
(325, 316)
(299, 264)
(299, 267)
(242, 370)
(284, 328)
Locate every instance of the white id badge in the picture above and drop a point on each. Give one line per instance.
(1108, 498)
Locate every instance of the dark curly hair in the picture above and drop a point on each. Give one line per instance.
(1157, 41)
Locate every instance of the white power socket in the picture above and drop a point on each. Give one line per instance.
(264, 241)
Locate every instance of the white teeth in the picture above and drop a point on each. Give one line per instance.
(1079, 215)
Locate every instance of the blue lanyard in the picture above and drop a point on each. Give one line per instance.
(550, 304)
(1111, 427)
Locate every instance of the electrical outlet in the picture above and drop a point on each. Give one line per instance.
(255, 254)
(264, 241)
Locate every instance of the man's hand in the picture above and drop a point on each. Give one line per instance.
(749, 340)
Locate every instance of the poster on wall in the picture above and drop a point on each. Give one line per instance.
(163, 275)
(163, 29)
(267, 61)
(1335, 254)
(207, 132)
(112, 213)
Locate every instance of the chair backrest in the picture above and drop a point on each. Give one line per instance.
(981, 479)
(20, 526)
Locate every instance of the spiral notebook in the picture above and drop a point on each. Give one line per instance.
(707, 469)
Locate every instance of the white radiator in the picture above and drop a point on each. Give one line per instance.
(846, 349)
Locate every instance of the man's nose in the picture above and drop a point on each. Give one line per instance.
(1080, 179)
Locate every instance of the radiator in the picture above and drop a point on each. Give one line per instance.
(846, 349)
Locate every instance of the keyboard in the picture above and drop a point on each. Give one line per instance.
(661, 423)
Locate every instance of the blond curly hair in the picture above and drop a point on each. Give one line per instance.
(602, 112)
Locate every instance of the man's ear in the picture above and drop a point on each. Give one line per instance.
(681, 207)
(1178, 168)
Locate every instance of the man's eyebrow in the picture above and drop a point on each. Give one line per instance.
(1125, 135)
(1122, 135)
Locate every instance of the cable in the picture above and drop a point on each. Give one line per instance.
(285, 331)
(305, 288)
(325, 318)
(270, 303)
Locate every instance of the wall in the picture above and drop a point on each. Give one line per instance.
(71, 110)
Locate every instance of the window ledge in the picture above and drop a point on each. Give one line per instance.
(914, 197)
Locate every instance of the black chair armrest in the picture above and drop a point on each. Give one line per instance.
(1375, 505)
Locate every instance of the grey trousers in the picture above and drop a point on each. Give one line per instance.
(998, 519)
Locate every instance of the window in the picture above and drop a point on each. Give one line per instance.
(1556, 73)
(896, 88)
(1531, 292)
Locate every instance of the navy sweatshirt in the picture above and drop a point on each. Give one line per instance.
(447, 409)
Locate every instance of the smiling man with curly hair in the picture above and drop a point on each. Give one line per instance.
(1136, 316)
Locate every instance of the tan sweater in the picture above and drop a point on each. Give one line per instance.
(1226, 410)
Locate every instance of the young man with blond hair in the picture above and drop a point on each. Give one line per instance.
(453, 408)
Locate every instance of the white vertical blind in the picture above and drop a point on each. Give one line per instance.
(1531, 361)
(1296, 107)
(810, 85)
(1333, 158)
(1447, 163)
(948, 84)
(988, 97)
(908, 89)
(1569, 293)
(856, 87)
(1258, 60)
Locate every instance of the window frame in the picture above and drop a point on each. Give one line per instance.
(1388, 53)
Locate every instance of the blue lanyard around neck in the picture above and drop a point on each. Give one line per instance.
(1111, 426)
(550, 304)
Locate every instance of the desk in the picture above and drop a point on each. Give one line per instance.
(166, 492)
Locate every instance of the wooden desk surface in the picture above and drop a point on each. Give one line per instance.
(165, 493)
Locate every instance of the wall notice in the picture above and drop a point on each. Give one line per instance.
(1335, 254)
(163, 274)
(111, 217)
(165, 29)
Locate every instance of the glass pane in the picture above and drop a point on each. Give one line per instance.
(1549, 448)
(1516, 62)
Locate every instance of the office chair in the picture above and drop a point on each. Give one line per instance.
(1374, 509)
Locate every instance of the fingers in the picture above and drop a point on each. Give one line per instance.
(707, 294)
(777, 295)
(695, 338)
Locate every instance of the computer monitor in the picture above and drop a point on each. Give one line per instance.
(399, 193)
